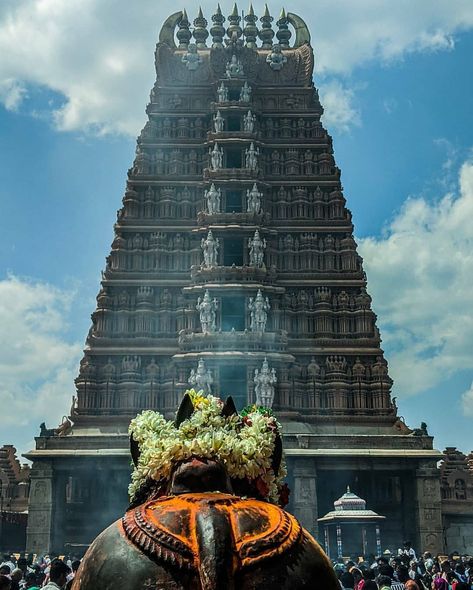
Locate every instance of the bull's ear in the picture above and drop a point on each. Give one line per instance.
(277, 454)
(134, 450)
(229, 408)
(185, 410)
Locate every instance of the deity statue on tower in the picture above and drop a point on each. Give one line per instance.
(265, 381)
(216, 157)
(219, 122)
(213, 196)
(256, 246)
(252, 154)
(249, 121)
(207, 309)
(245, 92)
(222, 93)
(276, 59)
(234, 68)
(258, 309)
(210, 247)
(192, 59)
(201, 378)
(253, 200)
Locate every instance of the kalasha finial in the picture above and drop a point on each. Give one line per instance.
(234, 20)
(218, 31)
(266, 33)
(183, 34)
(283, 34)
(251, 30)
(200, 30)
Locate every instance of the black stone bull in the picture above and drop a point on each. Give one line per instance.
(198, 538)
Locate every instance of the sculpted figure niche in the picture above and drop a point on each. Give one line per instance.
(251, 155)
(249, 121)
(207, 309)
(265, 380)
(192, 59)
(219, 122)
(213, 198)
(253, 200)
(201, 378)
(210, 247)
(245, 93)
(222, 93)
(256, 246)
(258, 309)
(216, 157)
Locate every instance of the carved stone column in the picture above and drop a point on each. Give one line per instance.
(428, 509)
(39, 531)
(305, 494)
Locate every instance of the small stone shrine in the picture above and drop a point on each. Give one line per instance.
(351, 529)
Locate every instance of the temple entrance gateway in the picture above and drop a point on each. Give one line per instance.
(234, 267)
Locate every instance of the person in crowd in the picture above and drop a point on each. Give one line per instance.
(70, 579)
(57, 575)
(5, 582)
(347, 581)
(384, 582)
(411, 585)
(407, 550)
(16, 577)
(370, 585)
(5, 570)
(31, 582)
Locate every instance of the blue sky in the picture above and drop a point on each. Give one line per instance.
(396, 83)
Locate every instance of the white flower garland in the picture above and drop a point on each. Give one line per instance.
(244, 444)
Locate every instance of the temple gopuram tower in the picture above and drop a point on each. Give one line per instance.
(234, 270)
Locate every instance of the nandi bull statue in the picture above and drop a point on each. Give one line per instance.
(204, 513)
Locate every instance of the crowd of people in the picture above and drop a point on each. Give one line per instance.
(406, 571)
(403, 571)
(44, 573)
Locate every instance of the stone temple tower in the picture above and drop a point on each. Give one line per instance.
(234, 270)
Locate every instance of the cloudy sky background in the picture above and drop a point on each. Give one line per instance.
(396, 81)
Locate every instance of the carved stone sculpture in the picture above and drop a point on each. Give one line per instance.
(276, 59)
(256, 247)
(249, 121)
(251, 157)
(207, 309)
(234, 68)
(222, 93)
(216, 157)
(201, 378)
(213, 197)
(258, 309)
(202, 528)
(253, 200)
(210, 247)
(219, 122)
(245, 93)
(192, 59)
(265, 380)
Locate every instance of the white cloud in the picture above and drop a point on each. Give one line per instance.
(37, 364)
(420, 275)
(467, 401)
(339, 112)
(99, 57)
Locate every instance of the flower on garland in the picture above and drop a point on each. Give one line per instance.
(244, 443)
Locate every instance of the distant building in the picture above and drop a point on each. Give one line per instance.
(14, 491)
(456, 486)
(351, 530)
